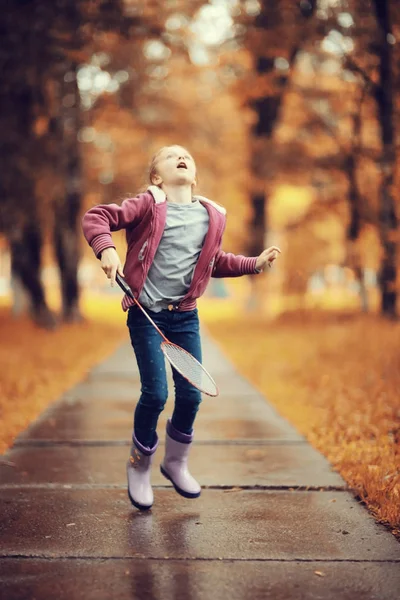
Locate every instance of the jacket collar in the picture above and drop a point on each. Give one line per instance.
(220, 208)
(157, 193)
(159, 197)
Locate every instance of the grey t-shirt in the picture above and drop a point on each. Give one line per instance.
(171, 272)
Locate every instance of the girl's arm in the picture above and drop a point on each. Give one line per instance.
(227, 264)
(235, 265)
(99, 221)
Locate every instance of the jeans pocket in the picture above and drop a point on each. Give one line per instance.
(188, 320)
(132, 317)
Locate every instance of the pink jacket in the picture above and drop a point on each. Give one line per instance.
(143, 218)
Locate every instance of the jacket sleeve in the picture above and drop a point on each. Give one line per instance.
(233, 265)
(98, 222)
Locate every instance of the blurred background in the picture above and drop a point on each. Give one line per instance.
(290, 109)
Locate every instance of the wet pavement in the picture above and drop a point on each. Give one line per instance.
(274, 521)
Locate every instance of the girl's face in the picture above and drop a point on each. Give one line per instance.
(175, 166)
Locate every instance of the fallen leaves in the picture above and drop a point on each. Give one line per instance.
(39, 365)
(340, 389)
(233, 489)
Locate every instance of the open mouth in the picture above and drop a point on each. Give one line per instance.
(181, 165)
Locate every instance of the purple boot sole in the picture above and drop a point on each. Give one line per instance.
(178, 489)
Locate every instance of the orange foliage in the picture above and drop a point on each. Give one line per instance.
(337, 379)
(210, 131)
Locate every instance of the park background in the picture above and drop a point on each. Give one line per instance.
(290, 109)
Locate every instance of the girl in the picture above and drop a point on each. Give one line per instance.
(174, 247)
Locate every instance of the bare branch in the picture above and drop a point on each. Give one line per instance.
(351, 65)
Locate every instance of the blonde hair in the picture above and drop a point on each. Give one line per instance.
(152, 170)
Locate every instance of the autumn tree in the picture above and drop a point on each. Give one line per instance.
(42, 44)
(370, 57)
(168, 97)
(39, 108)
(274, 38)
(364, 42)
(325, 112)
(384, 95)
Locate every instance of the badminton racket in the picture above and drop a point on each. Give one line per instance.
(186, 364)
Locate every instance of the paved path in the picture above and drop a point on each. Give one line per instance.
(273, 521)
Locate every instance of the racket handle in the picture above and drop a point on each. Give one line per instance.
(124, 286)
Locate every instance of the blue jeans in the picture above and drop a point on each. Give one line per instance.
(181, 328)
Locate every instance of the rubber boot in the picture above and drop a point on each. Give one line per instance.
(138, 470)
(174, 466)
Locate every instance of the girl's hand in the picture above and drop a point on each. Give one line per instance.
(267, 257)
(111, 264)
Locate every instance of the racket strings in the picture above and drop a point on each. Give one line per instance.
(190, 368)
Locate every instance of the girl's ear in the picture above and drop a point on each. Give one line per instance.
(156, 180)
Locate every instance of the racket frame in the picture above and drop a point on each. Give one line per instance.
(126, 288)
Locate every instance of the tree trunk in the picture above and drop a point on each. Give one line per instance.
(258, 224)
(67, 207)
(66, 243)
(353, 231)
(26, 249)
(388, 221)
(267, 111)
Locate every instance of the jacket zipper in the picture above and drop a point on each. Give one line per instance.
(142, 250)
(142, 256)
(210, 264)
